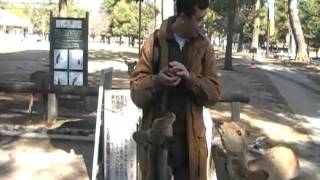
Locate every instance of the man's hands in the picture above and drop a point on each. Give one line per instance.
(172, 74)
(167, 78)
(179, 69)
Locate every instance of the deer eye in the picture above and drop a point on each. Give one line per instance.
(239, 132)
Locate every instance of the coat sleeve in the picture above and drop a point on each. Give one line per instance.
(205, 86)
(144, 84)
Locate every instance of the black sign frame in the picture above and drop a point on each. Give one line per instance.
(70, 40)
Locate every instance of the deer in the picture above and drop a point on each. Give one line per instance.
(157, 139)
(41, 80)
(276, 163)
(131, 65)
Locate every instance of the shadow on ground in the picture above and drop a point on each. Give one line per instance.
(44, 159)
(111, 55)
(267, 114)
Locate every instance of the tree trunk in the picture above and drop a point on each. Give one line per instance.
(301, 52)
(231, 17)
(271, 19)
(241, 37)
(228, 59)
(132, 41)
(63, 8)
(129, 41)
(256, 26)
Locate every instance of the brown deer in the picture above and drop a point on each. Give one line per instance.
(131, 64)
(276, 163)
(156, 140)
(41, 79)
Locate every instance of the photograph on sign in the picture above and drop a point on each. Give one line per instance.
(76, 78)
(68, 23)
(60, 58)
(60, 78)
(76, 59)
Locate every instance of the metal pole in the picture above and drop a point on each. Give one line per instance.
(139, 35)
(268, 34)
(162, 16)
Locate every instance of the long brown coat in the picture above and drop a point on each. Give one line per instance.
(146, 91)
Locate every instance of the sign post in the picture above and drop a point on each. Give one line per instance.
(68, 55)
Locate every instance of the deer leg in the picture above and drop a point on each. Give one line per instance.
(44, 105)
(31, 103)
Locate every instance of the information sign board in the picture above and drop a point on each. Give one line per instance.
(120, 122)
(69, 51)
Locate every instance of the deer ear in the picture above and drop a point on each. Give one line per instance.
(141, 138)
(170, 116)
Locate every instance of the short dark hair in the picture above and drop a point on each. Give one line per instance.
(187, 6)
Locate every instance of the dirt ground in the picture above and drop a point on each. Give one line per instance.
(36, 159)
(22, 158)
(267, 114)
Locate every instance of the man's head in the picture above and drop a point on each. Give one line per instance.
(190, 15)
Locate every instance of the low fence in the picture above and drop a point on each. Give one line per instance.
(104, 110)
(29, 87)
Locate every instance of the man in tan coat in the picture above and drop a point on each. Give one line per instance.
(184, 81)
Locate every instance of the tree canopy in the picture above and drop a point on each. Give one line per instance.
(310, 20)
(125, 17)
(281, 20)
(39, 14)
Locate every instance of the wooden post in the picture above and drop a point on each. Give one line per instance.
(235, 111)
(52, 107)
(106, 78)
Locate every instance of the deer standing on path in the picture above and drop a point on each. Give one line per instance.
(41, 79)
(131, 65)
